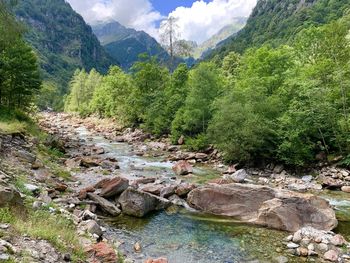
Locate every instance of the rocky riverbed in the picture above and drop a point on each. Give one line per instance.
(155, 202)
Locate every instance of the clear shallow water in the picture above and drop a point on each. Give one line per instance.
(184, 237)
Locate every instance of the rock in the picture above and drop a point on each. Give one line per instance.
(25, 156)
(105, 205)
(237, 177)
(102, 252)
(60, 187)
(184, 188)
(331, 183)
(261, 205)
(158, 260)
(88, 215)
(31, 188)
(278, 169)
(302, 251)
(338, 240)
(331, 255)
(281, 259)
(147, 180)
(114, 187)
(137, 203)
(298, 187)
(37, 165)
(292, 245)
(297, 237)
(90, 162)
(10, 197)
(182, 168)
(91, 227)
(83, 192)
(201, 156)
(152, 188)
(346, 189)
(322, 247)
(181, 140)
(137, 247)
(307, 178)
(167, 191)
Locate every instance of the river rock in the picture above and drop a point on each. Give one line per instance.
(91, 227)
(167, 191)
(157, 260)
(102, 252)
(184, 188)
(152, 188)
(346, 189)
(261, 205)
(137, 203)
(89, 162)
(182, 168)
(331, 255)
(114, 187)
(105, 205)
(237, 177)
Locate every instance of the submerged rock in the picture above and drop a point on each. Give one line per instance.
(279, 209)
(137, 203)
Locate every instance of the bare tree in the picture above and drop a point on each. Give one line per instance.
(169, 34)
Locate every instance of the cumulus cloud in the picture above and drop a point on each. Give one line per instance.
(198, 22)
(138, 14)
(203, 20)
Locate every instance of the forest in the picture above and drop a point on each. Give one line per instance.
(288, 104)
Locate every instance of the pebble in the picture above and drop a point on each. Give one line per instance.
(292, 245)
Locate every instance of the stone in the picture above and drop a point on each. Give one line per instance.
(297, 237)
(83, 192)
(158, 260)
(10, 197)
(31, 188)
(147, 180)
(331, 255)
(237, 177)
(137, 247)
(152, 188)
(281, 259)
(102, 252)
(105, 205)
(182, 168)
(25, 156)
(331, 183)
(137, 203)
(184, 188)
(201, 156)
(91, 227)
(114, 187)
(60, 187)
(338, 240)
(278, 169)
(89, 162)
(88, 215)
(265, 206)
(346, 189)
(167, 191)
(181, 140)
(302, 251)
(322, 247)
(307, 178)
(292, 245)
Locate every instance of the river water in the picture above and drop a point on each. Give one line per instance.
(185, 236)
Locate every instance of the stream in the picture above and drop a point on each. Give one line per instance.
(185, 236)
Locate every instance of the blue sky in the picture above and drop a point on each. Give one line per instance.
(197, 20)
(167, 6)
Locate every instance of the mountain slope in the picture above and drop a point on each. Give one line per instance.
(220, 36)
(61, 38)
(278, 21)
(125, 44)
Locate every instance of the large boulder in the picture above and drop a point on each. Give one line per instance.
(114, 187)
(182, 168)
(237, 177)
(279, 209)
(137, 203)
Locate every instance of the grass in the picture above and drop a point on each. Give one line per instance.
(56, 229)
(20, 181)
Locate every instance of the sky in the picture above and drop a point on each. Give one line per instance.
(197, 20)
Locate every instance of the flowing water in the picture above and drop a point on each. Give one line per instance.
(187, 237)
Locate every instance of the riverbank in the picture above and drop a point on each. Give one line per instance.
(71, 176)
(155, 159)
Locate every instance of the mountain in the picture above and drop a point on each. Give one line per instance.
(220, 36)
(276, 22)
(61, 38)
(126, 44)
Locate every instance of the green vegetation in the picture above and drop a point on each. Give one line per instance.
(278, 22)
(284, 104)
(56, 229)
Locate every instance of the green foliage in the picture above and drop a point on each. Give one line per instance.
(49, 96)
(205, 83)
(198, 143)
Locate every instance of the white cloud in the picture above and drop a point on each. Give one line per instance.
(203, 20)
(138, 14)
(197, 23)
